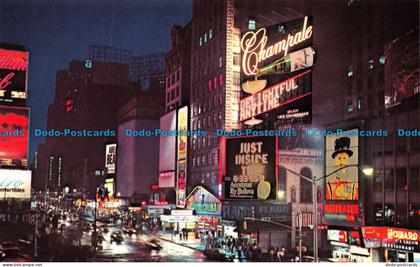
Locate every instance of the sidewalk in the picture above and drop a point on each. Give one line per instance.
(192, 244)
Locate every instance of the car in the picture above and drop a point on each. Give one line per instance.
(117, 236)
(104, 229)
(129, 230)
(153, 244)
(2, 255)
(10, 249)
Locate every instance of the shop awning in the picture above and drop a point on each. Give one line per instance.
(254, 226)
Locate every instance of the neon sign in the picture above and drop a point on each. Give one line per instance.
(275, 96)
(255, 49)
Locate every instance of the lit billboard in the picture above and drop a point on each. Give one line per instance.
(402, 70)
(14, 127)
(13, 77)
(15, 184)
(181, 174)
(167, 143)
(110, 158)
(280, 59)
(250, 168)
(343, 206)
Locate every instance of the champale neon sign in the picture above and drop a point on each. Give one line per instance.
(253, 45)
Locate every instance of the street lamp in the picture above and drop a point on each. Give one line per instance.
(314, 181)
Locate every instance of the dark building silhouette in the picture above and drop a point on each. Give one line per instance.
(86, 100)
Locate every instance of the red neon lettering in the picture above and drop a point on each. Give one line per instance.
(13, 64)
(6, 81)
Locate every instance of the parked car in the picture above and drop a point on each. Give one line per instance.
(117, 236)
(10, 249)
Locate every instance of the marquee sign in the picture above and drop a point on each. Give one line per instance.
(13, 76)
(390, 237)
(203, 202)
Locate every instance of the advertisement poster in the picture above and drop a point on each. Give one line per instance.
(14, 134)
(13, 77)
(181, 190)
(111, 158)
(15, 184)
(250, 168)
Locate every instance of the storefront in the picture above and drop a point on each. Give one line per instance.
(393, 244)
(256, 222)
(179, 221)
(208, 209)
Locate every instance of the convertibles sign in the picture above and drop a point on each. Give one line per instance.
(15, 184)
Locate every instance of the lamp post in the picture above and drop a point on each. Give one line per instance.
(314, 181)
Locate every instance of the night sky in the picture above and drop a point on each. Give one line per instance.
(56, 32)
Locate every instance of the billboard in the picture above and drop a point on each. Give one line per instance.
(342, 188)
(13, 77)
(402, 70)
(110, 158)
(15, 184)
(250, 168)
(266, 45)
(181, 174)
(167, 144)
(14, 127)
(110, 186)
(281, 94)
(167, 179)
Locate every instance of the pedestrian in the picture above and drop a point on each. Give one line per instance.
(272, 254)
(278, 254)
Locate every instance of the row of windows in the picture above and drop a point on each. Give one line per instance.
(207, 36)
(208, 122)
(212, 84)
(380, 101)
(171, 95)
(206, 159)
(370, 82)
(370, 65)
(173, 78)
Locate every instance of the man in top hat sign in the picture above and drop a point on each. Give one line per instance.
(342, 186)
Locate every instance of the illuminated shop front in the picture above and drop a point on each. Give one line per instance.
(208, 209)
(177, 220)
(347, 246)
(393, 244)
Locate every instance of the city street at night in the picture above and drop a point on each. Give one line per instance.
(214, 131)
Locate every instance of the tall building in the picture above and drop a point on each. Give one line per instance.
(138, 148)
(177, 65)
(81, 120)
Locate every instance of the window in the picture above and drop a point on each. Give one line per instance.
(282, 184)
(201, 41)
(210, 34)
(350, 73)
(205, 38)
(252, 24)
(370, 64)
(177, 91)
(370, 83)
(69, 105)
(382, 60)
(236, 78)
(220, 80)
(349, 106)
(236, 59)
(359, 85)
(305, 186)
(209, 85)
(359, 103)
(215, 82)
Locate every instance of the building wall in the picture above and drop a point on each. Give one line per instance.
(138, 159)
